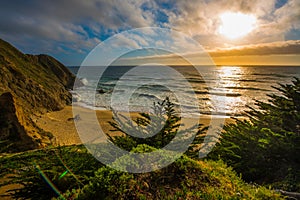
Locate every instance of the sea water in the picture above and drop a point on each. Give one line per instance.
(204, 90)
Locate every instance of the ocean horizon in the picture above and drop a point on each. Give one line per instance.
(225, 91)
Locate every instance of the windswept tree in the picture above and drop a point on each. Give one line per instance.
(157, 129)
(266, 146)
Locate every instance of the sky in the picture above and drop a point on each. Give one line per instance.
(232, 32)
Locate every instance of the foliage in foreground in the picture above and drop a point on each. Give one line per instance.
(266, 148)
(184, 179)
(44, 173)
(70, 172)
(87, 179)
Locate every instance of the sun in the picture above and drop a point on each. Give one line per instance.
(236, 25)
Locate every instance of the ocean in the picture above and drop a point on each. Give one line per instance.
(204, 90)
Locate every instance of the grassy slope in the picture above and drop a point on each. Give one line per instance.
(88, 179)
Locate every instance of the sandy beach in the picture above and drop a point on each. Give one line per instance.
(62, 126)
(61, 123)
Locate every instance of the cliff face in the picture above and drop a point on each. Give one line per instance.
(13, 130)
(30, 85)
(40, 82)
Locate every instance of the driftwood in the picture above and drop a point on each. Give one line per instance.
(291, 195)
(76, 118)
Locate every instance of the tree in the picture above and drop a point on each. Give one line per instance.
(266, 147)
(161, 126)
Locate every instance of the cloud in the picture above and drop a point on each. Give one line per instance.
(275, 53)
(201, 20)
(74, 24)
(122, 41)
(284, 47)
(64, 27)
(288, 16)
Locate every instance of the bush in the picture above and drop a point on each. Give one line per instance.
(183, 179)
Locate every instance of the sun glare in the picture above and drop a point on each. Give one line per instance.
(236, 25)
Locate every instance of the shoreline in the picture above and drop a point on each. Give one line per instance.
(61, 123)
(204, 115)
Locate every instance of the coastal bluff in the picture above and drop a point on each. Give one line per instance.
(30, 85)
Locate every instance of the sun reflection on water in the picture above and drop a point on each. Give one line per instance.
(229, 99)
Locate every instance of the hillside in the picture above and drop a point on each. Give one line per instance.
(29, 85)
(70, 172)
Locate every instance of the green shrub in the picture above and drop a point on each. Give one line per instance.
(184, 179)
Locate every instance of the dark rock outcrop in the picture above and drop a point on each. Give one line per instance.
(13, 134)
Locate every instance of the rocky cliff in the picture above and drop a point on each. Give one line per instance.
(29, 85)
